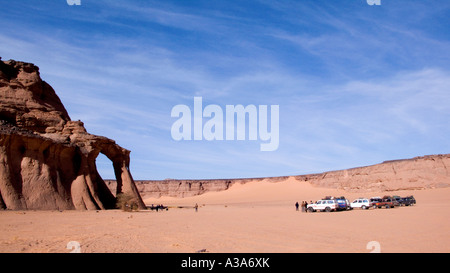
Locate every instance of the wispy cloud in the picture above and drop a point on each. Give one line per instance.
(355, 85)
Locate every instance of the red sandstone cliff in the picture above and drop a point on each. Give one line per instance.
(425, 172)
(47, 161)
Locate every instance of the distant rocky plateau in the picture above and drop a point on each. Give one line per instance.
(424, 172)
(47, 161)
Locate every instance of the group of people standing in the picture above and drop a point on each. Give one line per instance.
(159, 207)
(304, 205)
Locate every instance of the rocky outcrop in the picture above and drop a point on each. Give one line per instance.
(186, 188)
(425, 172)
(47, 161)
(176, 188)
(432, 171)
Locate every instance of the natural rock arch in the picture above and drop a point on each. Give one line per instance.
(47, 161)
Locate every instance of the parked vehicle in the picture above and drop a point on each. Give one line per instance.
(343, 203)
(323, 205)
(387, 202)
(408, 201)
(375, 199)
(398, 199)
(362, 203)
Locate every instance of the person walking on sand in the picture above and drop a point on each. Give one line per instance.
(296, 206)
(196, 207)
(303, 206)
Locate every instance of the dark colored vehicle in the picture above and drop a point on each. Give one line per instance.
(343, 204)
(387, 202)
(374, 200)
(398, 199)
(408, 201)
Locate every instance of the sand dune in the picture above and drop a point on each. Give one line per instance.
(258, 192)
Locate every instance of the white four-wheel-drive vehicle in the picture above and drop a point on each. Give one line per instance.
(323, 205)
(362, 203)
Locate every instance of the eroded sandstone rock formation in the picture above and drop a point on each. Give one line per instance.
(187, 188)
(422, 172)
(47, 161)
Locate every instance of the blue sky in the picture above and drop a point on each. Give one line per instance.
(355, 84)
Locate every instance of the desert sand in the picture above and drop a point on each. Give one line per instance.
(257, 217)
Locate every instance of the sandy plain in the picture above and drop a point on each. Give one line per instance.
(257, 217)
